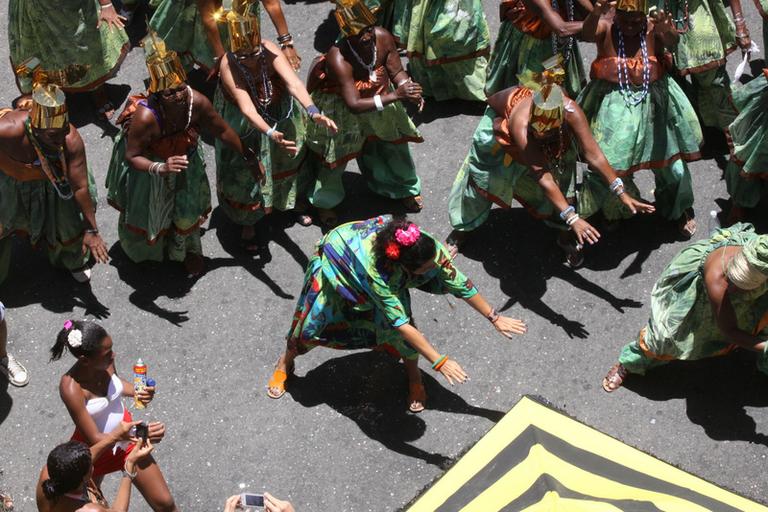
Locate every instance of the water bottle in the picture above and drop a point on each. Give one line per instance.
(714, 222)
(139, 381)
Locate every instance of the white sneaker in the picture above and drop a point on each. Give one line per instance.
(82, 276)
(14, 371)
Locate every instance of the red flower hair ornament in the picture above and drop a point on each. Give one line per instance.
(392, 250)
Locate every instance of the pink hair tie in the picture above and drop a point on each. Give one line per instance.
(408, 237)
(68, 324)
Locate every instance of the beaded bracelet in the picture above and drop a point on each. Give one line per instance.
(285, 38)
(440, 362)
(312, 110)
(572, 219)
(617, 183)
(566, 213)
(492, 316)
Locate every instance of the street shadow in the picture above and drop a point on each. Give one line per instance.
(6, 402)
(370, 388)
(32, 280)
(83, 112)
(717, 392)
(525, 263)
(326, 34)
(434, 110)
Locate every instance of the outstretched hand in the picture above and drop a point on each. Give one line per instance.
(509, 326)
(453, 372)
(289, 146)
(635, 206)
(585, 232)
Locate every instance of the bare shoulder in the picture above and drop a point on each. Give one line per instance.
(12, 124)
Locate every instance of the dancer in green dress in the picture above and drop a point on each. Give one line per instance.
(747, 171)
(265, 102)
(448, 44)
(707, 36)
(525, 148)
(710, 299)
(356, 295)
(638, 114)
(46, 190)
(190, 28)
(85, 34)
(354, 82)
(157, 177)
(530, 33)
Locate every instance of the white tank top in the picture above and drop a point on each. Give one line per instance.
(107, 411)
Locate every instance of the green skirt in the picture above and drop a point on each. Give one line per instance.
(490, 176)
(660, 133)
(710, 37)
(516, 52)
(241, 197)
(35, 210)
(160, 216)
(682, 325)
(63, 32)
(747, 171)
(390, 125)
(447, 42)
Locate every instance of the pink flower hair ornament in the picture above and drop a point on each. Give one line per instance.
(408, 237)
(68, 324)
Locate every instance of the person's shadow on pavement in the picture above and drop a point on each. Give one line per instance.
(717, 392)
(6, 402)
(370, 388)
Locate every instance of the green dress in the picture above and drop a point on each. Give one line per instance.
(350, 300)
(661, 133)
(179, 23)
(491, 176)
(61, 33)
(378, 140)
(241, 197)
(707, 36)
(31, 207)
(523, 44)
(747, 171)
(448, 44)
(160, 216)
(682, 325)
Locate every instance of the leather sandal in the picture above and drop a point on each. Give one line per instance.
(417, 397)
(615, 378)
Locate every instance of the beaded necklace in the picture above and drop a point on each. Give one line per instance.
(263, 102)
(54, 171)
(555, 158)
(632, 96)
(370, 67)
(565, 47)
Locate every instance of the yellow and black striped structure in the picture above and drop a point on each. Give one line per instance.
(537, 459)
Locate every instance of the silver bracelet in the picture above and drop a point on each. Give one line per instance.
(572, 219)
(378, 102)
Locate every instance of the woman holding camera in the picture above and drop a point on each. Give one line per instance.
(356, 295)
(66, 482)
(92, 392)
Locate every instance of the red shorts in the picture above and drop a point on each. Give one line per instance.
(108, 461)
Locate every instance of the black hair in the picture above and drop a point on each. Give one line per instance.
(411, 257)
(68, 464)
(91, 336)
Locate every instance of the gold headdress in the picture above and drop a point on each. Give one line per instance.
(165, 69)
(49, 107)
(548, 110)
(353, 16)
(632, 6)
(243, 25)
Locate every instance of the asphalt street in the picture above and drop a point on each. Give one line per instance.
(340, 439)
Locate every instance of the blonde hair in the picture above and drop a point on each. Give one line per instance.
(742, 274)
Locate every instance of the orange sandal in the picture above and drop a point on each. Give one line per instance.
(277, 381)
(417, 397)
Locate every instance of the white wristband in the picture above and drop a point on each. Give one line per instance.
(378, 102)
(270, 132)
(106, 6)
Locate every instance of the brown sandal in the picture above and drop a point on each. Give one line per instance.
(6, 502)
(417, 397)
(615, 378)
(686, 225)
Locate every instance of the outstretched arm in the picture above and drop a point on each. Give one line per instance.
(450, 369)
(506, 326)
(77, 173)
(594, 26)
(206, 8)
(553, 19)
(742, 32)
(275, 10)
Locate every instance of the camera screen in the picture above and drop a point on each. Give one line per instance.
(253, 500)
